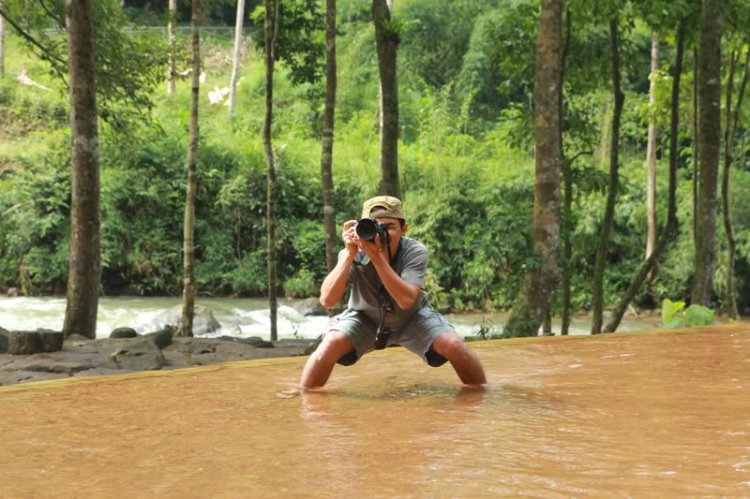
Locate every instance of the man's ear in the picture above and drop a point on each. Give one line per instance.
(403, 229)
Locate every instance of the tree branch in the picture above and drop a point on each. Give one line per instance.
(61, 22)
(45, 53)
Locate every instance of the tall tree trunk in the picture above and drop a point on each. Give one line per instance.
(539, 284)
(729, 135)
(171, 29)
(271, 29)
(567, 212)
(547, 323)
(85, 235)
(651, 158)
(326, 160)
(597, 300)
(387, 41)
(670, 230)
(695, 147)
(188, 291)
(709, 89)
(2, 46)
(236, 56)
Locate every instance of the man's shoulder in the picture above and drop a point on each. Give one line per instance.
(412, 247)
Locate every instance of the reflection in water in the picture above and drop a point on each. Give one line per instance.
(631, 415)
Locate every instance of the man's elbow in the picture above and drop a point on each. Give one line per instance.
(327, 302)
(408, 302)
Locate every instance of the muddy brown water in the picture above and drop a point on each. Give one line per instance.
(628, 415)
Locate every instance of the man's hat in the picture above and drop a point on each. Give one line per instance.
(392, 206)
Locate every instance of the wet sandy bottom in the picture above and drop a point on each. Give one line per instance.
(631, 415)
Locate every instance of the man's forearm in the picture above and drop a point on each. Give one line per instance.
(402, 293)
(334, 285)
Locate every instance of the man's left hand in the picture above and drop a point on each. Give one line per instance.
(373, 249)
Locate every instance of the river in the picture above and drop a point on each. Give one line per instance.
(656, 414)
(241, 317)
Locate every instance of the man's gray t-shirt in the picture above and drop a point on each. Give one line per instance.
(410, 264)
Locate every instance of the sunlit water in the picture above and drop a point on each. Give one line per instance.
(238, 317)
(638, 415)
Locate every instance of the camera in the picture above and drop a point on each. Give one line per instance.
(368, 228)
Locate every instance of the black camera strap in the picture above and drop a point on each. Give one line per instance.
(385, 305)
(385, 302)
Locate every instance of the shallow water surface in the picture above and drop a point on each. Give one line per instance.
(632, 415)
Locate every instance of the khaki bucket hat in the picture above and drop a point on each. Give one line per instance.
(393, 207)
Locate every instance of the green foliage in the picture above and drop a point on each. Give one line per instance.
(301, 285)
(128, 66)
(669, 310)
(300, 40)
(465, 159)
(499, 63)
(698, 315)
(488, 330)
(447, 24)
(673, 316)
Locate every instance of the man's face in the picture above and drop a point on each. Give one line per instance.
(395, 231)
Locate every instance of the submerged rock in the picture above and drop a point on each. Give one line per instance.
(123, 332)
(204, 321)
(139, 354)
(312, 306)
(28, 342)
(4, 337)
(163, 337)
(88, 357)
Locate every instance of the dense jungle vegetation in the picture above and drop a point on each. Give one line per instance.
(466, 71)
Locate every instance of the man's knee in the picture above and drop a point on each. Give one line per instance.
(336, 347)
(449, 345)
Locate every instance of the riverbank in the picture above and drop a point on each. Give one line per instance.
(84, 357)
(247, 317)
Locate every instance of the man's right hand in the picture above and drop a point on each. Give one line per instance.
(350, 238)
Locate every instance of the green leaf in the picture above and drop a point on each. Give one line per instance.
(669, 309)
(698, 315)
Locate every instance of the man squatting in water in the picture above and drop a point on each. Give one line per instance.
(388, 304)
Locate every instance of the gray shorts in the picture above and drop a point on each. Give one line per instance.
(416, 335)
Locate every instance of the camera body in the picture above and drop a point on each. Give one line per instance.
(368, 228)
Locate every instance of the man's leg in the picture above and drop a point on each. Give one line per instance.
(320, 364)
(451, 346)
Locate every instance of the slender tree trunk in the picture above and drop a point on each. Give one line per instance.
(85, 235)
(709, 89)
(171, 29)
(729, 136)
(326, 161)
(614, 180)
(547, 323)
(696, 147)
(539, 284)
(567, 212)
(670, 230)
(2, 46)
(188, 291)
(651, 158)
(271, 28)
(236, 57)
(387, 45)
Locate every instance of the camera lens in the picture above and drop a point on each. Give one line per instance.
(366, 229)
